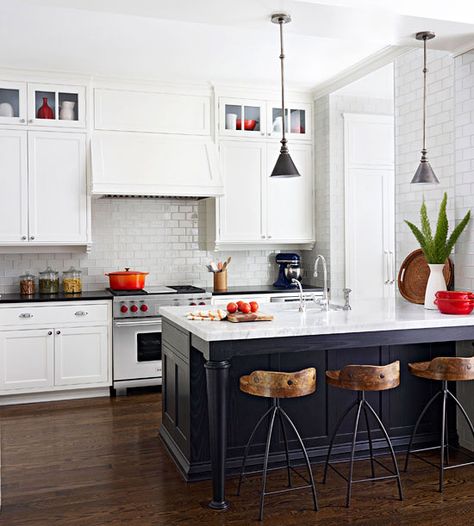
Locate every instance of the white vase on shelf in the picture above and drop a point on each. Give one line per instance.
(66, 113)
(6, 110)
(436, 282)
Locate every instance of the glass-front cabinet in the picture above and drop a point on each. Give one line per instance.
(242, 117)
(53, 105)
(297, 120)
(12, 102)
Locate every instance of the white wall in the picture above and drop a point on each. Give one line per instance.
(159, 236)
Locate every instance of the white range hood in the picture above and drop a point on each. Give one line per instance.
(145, 164)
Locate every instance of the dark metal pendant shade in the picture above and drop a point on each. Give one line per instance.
(284, 167)
(424, 174)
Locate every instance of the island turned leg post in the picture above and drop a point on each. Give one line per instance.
(217, 378)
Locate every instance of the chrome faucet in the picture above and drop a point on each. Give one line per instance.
(325, 300)
(302, 298)
(347, 305)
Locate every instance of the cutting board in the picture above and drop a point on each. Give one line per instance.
(238, 317)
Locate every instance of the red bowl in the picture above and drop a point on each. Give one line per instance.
(455, 295)
(448, 306)
(249, 124)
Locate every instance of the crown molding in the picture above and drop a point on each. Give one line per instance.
(464, 48)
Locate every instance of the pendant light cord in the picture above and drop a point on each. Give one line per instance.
(283, 119)
(425, 70)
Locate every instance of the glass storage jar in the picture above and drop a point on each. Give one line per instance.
(72, 282)
(27, 284)
(49, 281)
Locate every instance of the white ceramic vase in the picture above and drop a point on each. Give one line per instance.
(67, 111)
(6, 110)
(436, 282)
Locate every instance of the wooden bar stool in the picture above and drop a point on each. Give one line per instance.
(363, 378)
(277, 385)
(452, 369)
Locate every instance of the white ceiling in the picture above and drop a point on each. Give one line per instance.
(218, 40)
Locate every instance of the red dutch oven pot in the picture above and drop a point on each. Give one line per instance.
(127, 279)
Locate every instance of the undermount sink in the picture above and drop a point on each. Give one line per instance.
(313, 307)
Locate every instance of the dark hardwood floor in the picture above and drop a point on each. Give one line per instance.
(100, 462)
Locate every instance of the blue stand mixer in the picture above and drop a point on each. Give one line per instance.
(290, 267)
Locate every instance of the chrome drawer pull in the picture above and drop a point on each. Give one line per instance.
(81, 313)
(25, 315)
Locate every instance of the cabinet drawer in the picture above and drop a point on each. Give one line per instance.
(52, 316)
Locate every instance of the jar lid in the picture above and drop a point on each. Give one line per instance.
(50, 271)
(27, 275)
(72, 271)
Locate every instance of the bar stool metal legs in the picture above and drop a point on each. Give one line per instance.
(363, 405)
(444, 461)
(276, 411)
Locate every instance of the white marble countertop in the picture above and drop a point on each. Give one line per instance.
(365, 316)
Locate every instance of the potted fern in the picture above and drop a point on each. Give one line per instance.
(437, 247)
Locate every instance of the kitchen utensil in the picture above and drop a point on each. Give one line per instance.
(49, 281)
(213, 266)
(239, 317)
(226, 263)
(249, 124)
(27, 284)
(413, 276)
(455, 295)
(231, 121)
(127, 279)
(220, 281)
(72, 282)
(219, 266)
(450, 306)
(6, 110)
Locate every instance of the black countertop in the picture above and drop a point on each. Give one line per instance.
(84, 296)
(262, 289)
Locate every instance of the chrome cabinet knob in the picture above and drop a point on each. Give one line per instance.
(58, 332)
(30, 121)
(22, 120)
(50, 333)
(32, 237)
(23, 238)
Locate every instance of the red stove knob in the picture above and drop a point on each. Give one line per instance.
(193, 304)
(202, 303)
(124, 309)
(134, 308)
(144, 308)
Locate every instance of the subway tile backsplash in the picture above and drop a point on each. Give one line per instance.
(157, 236)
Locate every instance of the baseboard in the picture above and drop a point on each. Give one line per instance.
(52, 396)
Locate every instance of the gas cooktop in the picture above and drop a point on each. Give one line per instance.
(172, 289)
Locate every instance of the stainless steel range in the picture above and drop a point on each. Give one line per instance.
(137, 331)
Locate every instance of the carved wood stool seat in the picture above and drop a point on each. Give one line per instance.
(277, 385)
(443, 369)
(362, 378)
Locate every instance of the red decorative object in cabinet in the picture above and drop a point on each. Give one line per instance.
(45, 112)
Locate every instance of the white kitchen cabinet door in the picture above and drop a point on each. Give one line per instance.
(14, 187)
(57, 187)
(81, 356)
(242, 117)
(369, 205)
(290, 200)
(145, 111)
(241, 209)
(13, 102)
(26, 359)
(298, 117)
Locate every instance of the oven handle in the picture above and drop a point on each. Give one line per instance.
(138, 322)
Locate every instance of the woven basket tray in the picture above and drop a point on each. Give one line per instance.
(413, 276)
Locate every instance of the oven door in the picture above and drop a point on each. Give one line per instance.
(137, 349)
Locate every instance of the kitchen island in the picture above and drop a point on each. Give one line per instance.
(207, 420)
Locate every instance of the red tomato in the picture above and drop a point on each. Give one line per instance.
(245, 308)
(232, 307)
(253, 306)
(239, 303)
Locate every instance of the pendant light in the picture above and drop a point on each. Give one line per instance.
(284, 167)
(424, 173)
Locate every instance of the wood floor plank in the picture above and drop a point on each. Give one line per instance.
(100, 462)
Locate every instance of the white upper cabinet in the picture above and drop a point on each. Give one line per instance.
(242, 117)
(240, 217)
(147, 111)
(298, 120)
(14, 187)
(56, 105)
(13, 102)
(57, 187)
(290, 217)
